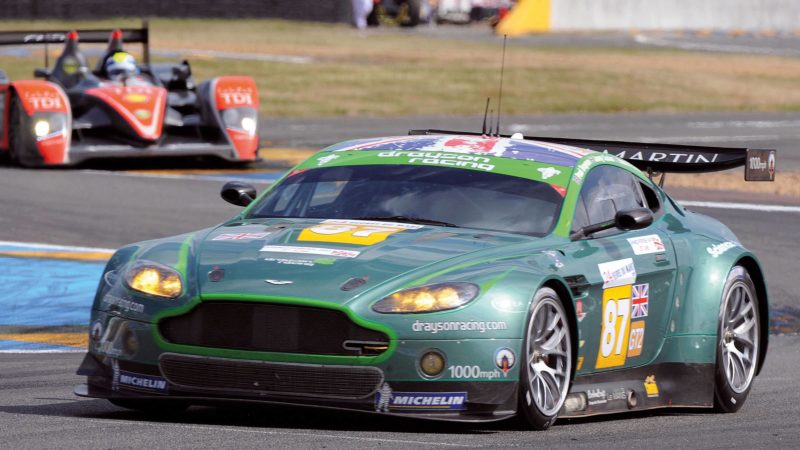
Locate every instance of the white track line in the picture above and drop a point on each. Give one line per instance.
(56, 247)
(742, 206)
(712, 47)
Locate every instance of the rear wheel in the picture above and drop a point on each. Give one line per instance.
(737, 342)
(547, 362)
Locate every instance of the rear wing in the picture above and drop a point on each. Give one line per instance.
(92, 36)
(759, 164)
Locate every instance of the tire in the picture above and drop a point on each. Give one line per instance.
(546, 362)
(738, 342)
(17, 150)
(156, 407)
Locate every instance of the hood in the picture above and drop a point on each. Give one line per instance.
(332, 260)
(142, 107)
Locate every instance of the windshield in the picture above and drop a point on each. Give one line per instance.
(433, 195)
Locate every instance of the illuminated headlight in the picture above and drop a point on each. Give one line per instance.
(41, 128)
(249, 124)
(240, 119)
(48, 124)
(430, 298)
(154, 279)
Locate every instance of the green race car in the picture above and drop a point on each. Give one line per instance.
(445, 276)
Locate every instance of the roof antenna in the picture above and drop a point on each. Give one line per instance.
(491, 115)
(485, 112)
(500, 93)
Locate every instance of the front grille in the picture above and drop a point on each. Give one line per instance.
(270, 327)
(258, 377)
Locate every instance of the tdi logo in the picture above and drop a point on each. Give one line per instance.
(45, 102)
(237, 98)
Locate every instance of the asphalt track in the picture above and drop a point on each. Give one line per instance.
(110, 208)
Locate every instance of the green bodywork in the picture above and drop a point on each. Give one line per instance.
(685, 282)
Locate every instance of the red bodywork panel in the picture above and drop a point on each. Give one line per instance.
(141, 106)
(43, 96)
(238, 92)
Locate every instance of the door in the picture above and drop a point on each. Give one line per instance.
(627, 276)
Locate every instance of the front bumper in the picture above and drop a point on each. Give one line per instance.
(211, 380)
(81, 153)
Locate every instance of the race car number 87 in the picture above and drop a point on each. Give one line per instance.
(347, 234)
(615, 327)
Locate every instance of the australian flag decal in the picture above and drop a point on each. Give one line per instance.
(639, 298)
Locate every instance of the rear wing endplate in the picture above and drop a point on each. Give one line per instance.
(92, 36)
(759, 164)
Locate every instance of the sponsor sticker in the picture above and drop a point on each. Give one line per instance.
(579, 310)
(421, 401)
(596, 397)
(580, 363)
(473, 325)
(617, 394)
(504, 359)
(137, 381)
(441, 159)
(644, 245)
(760, 165)
(640, 294)
(636, 340)
(650, 386)
(239, 236)
(326, 159)
(310, 251)
(717, 250)
(353, 231)
(291, 262)
(475, 372)
(123, 304)
(548, 172)
(617, 273)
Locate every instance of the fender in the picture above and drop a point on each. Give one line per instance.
(234, 102)
(694, 320)
(41, 100)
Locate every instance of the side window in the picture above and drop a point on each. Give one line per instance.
(606, 190)
(651, 198)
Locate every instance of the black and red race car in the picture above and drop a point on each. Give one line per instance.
(72, 112)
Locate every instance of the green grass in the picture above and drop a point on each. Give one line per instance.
(391, 73)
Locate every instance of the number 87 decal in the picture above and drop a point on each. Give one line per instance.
(616, 322)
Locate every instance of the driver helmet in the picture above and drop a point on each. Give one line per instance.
(120, 65)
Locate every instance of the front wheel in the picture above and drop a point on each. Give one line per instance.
(547, 361)
(737, 341)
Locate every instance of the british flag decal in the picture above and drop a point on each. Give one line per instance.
(639, 298)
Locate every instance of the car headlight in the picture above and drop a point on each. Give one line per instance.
(430, 298)
(154, 279)
(244, 119)
(41, 128)
(49, 124)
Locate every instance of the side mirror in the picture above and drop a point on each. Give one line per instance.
(41, 73)
(238, 193)
(633, 219)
